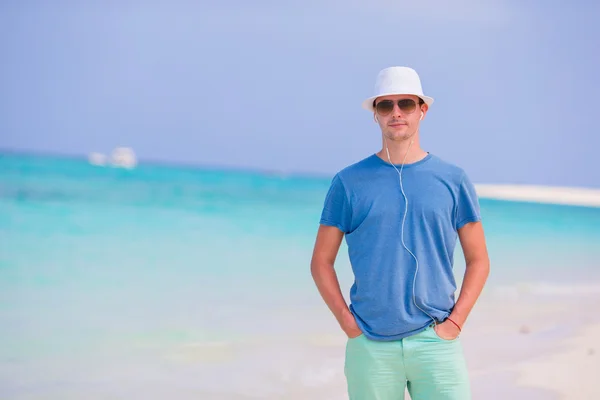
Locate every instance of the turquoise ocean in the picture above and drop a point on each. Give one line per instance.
(118, 283)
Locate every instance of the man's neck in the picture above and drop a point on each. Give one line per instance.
(397, 152)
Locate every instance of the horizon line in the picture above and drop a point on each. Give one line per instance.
(547, 194)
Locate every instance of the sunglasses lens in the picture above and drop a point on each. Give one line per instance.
(385, 107)
(407, 105)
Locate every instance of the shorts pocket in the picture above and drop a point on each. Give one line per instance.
(441, 338)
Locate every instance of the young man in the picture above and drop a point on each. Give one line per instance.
(401, 211)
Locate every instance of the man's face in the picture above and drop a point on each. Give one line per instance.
(398, 115)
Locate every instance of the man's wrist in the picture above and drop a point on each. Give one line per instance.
(457, 318)
(456, 324)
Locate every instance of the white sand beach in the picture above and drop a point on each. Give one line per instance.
(541, 194)
(538, 344)
(531, 344)
(572, 371)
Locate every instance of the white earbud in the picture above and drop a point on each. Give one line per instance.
(420, 119)
(376, 120)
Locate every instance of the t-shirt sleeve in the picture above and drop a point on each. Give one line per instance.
(467, 209)
(336, 210)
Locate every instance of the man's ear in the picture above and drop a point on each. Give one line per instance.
(424, 109)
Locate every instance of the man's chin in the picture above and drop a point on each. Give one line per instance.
(398, 137)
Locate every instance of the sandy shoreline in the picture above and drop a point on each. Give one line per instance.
(515, 344)
(572, 372)
(538, 346)
(532, 343)
(541, 194)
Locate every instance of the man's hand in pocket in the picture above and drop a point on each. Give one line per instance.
(350, 326)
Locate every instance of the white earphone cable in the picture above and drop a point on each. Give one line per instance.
(404, 219)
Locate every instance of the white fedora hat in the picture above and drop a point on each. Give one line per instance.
(397, 80)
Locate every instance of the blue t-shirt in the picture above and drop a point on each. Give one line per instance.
(366, 203)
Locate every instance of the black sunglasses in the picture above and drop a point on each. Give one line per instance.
(385, 107)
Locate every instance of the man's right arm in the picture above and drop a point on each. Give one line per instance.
(326, 248)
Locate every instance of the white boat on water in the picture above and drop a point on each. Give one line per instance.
(123, 157)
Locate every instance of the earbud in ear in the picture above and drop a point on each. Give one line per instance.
(421, 116)
(376, 120)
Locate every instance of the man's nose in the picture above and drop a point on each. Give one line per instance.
(396, 112)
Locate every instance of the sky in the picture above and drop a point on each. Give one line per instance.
(277, 86)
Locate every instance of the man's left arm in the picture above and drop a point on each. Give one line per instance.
(472, 240)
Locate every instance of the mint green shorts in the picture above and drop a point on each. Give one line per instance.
(430, 367)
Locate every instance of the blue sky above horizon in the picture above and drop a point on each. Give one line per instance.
(277, 86)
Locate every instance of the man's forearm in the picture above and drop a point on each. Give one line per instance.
(329, 287)
(476, 274)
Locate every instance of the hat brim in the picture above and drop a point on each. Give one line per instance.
(368, 103)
